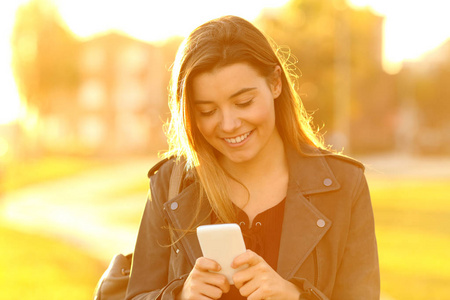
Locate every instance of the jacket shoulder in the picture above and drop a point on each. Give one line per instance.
(343, 158)
(164, 169)
(153, 170)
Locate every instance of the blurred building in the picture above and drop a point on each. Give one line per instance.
(425, 101)
(117, 106)
(372, 91)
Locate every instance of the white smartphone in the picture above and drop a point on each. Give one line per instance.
(222, 243)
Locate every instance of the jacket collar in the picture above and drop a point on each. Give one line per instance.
(303, 225)
(310, 173)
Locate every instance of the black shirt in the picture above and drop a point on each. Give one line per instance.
(262, 237)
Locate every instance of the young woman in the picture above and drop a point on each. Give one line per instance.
(251, 157)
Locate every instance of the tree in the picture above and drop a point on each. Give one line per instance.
(44, 53)
(339, 56)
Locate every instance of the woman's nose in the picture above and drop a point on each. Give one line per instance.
(230, 121)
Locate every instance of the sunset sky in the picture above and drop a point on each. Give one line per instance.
(412, 27)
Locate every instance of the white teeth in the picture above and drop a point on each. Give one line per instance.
(237, 139)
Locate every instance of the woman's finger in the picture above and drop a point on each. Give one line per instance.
(212, 286)
(207, 269)
(251, 274)
(200, 291)
(246, 288)
(205, 264)
(247, 258)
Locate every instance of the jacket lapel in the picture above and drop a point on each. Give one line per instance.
(303, 225)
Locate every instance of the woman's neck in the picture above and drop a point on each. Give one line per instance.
(271, 159)
(260, 183)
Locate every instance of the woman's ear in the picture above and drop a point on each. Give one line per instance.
(276, 85)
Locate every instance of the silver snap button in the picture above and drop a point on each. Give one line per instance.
(173, 205)
(320, 223)
(242, 224)
(258, 224)
(177, 251)
(327, 182)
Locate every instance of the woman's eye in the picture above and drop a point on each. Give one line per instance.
(207, 112)
(245, 103)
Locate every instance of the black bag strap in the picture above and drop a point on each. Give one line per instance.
(175, 180)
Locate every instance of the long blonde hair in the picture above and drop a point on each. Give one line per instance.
(218, 43)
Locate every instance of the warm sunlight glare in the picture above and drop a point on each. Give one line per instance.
(4, 147)
(411, 28)
(10, 101)
(153, 21)
(142, 19)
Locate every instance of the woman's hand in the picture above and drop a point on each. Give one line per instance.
(260, 281)
(203, 284)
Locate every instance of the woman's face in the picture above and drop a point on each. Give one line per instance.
(234, 111)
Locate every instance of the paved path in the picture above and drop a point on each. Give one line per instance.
(76, 209)
(406, 166)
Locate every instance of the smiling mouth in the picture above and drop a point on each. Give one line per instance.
(237, 139)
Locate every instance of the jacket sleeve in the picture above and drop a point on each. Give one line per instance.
(149, 272)
(358, 275)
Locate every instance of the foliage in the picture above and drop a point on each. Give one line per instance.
(44, 53)
(426, 87)
(339, 52)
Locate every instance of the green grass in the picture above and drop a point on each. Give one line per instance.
(38, 267)
(35, 267)
(413, 232)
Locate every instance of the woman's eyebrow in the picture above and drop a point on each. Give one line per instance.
(240, 92)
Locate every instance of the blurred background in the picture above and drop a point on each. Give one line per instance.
(84, 97)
